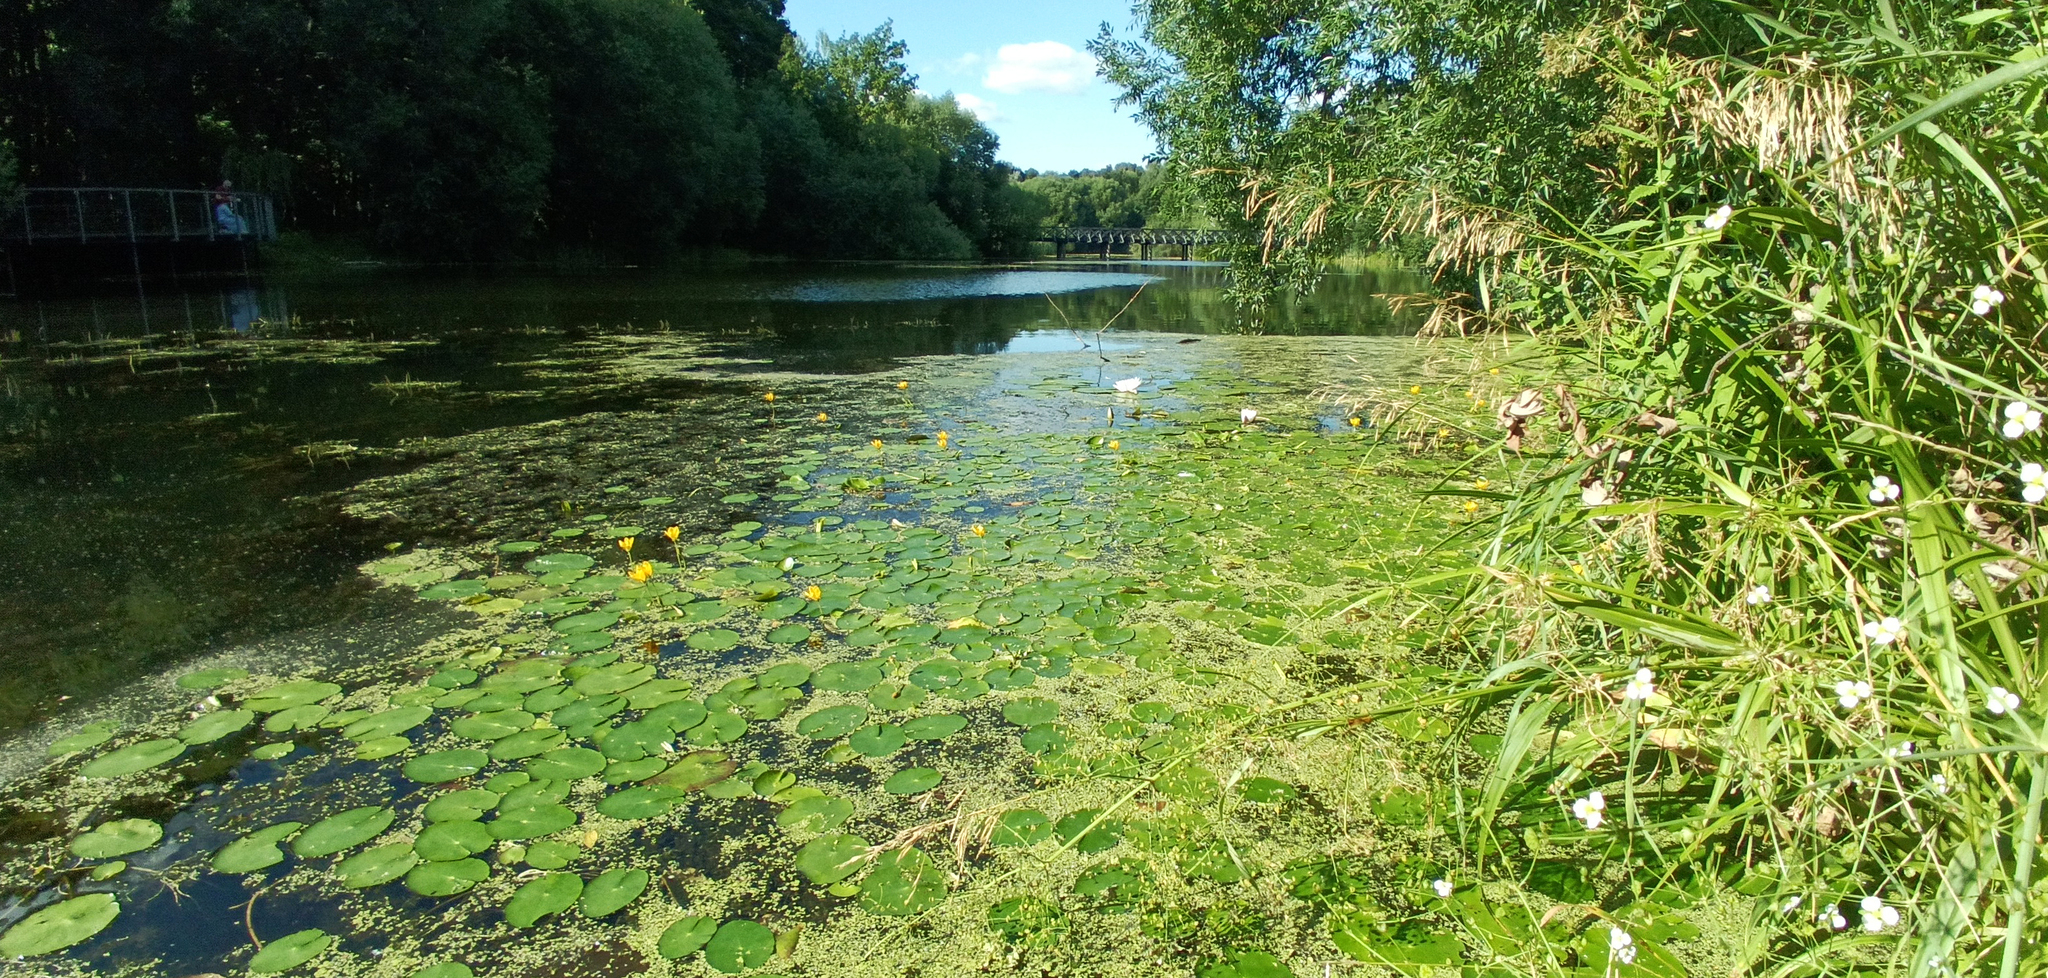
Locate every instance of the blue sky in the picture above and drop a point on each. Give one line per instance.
(1023, 67)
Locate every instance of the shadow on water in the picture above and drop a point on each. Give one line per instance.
(163, 453)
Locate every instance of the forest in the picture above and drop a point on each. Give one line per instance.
(493, 129)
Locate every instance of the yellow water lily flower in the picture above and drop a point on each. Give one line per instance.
(1480, 483)
(1471, 506)
(769, 397)
(1417, 389)
(978, 530)
(1115, 445)
(673, 533)
(642, 571)
(822, 416)
(903, 385)
(943, 438)
(813, 593)
(877, 443)
(1355, 421)
(626, 544)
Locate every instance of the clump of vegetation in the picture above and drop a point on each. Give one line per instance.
(1761, 601)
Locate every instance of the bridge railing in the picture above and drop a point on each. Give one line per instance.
(1132, 236)
(103, 215)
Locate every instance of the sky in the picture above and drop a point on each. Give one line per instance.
(1022, 67)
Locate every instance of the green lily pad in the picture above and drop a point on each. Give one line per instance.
(376, 867)
(296, 718)
(896, 697)
(637, 739)
(936, 675)
(828, 859)
(551, 894)
(558, 562)
(451, 840)
(818, 813)
(566, 764)
(611, 891)
(271, 752)
(685, 936)
(1030, 711)
(382, 747)
(388, 723)
(447, 879)
(284, 696)
(1022, 827)
(698, 770)
(677, 716)
(548, 854)
(593, 622)
(785, 675)
(120, 838)
(88, 737)
(739, 945)
(461, 806)
(289, 952)
(790, 634)
(718, 728)
(628, 772)
(937, 727)
(133, 758)
(344, 831)
(912, 781)
(211, 678)
(713, 640)
(454, 590)
(527, 743)
(1045, 738)
(879, 740)
(446, 765)
(641, 802)
(495, 725)
(55, 928)
(847, 677)
(904, 882)
(255, 851)
(531, 822)
(832, 722)
(446, 969)
(1074, 829)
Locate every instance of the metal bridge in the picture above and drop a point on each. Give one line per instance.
(131, 215)
(1101, 239)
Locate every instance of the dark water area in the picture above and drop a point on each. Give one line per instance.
(168, 454)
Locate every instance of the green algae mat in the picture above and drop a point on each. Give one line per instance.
(976, 668)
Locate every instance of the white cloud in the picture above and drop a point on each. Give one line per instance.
(963, 64)
(978, 107)
(1041, 66)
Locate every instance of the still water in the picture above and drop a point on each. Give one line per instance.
(172, 460)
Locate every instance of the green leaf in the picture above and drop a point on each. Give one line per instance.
(937, 727)
(284, 696)
(376, 867)
(344, 831)
(448, 841)
(1074, 829)
(566, 764)
(89, 736)
(904, 882)
(133, 758)
(119, 838)
(879, 740)
(1678, 630)
(832, 722)
(828, 859)
(287, 953)
(739, 945)
(461, 806)
(1030, 711)
(447, 879)
(447, 765)
(1977, 88)
(257, 850)
(446, 969)
(641, 802)
(847, 677)
(612, 891)
(57, 927)
(697, 770)
(912, 781)
(389, 723)
(551, 894)
(211, 678)
(685, 936)
(532, 821)
(818, 813)
(1023, 827)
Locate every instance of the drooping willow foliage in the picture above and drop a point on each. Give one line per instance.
(1783, 449)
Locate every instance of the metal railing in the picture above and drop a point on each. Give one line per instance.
(104, 215)
(1132, 236)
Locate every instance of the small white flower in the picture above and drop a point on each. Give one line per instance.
(2036, 478)
(1884, 631)
(1719, 219)
(1883, 490)
(1833, 916)
(2021, 418)
(1443, 889)
(1129, 385)
(1183, 475)
(1801, 314)
(1591, 810)
(1851, 694)
(1216, 506)
(1247, 415)
(1758, 595)
(1877, 916)
(1641, 687)
(1939, 784)
(1792, 904)
(788, 564)
(1984, 298)
(2001, 701)
(1621, 945)
(1901, 750)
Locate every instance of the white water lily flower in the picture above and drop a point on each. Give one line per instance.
(1719, 219)
(1984, 298)
(1247, 415)
(1591, 810)
(2035, 478)
(1883, 490)
(1641, 687)
(1877, 916)
(1851, 694)
(788, 564)
(2021, 418)
(1129, 385)
(2001, 701)
(1758, 595)
(1884, 631)
(1443, 889)
(1621, 945)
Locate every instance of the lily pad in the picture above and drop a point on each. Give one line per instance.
(566, 764)
(255, 851)
(847, 677)
(713, 640)
(447, 879)
(1022, 827)
(828, 859)
(211, 678)
(451, 840)
(88, 737)
(381, 747)
(592, 622)
(879, 740)
(785, 675)
(387, 724)
(558, 562)
(628, 772)
(832, 722)
(531, 822)
(527, 743)
(904, 882)
(284, 696)
(698, 770)
(1030, 711)
(896, 697)
(790, 634)
(611, 891)
(296, 718)
(344, 831)
(551, 894)
(119, 838)
(133, 758)
(446, 969)
(937, 727)
(461, 806)
(912, 781)
(739, 945)
(376, 867)
(454, 590)
(641, 802)
(719, 728)
(55, 928)
(685, 936)
(289, 952)
(1074, 829)
(818, 813)
(551, 855)
(446, 765)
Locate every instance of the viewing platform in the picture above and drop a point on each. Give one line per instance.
(52, 235)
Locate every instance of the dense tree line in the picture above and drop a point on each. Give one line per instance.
(1120, 196)
(489, 128)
